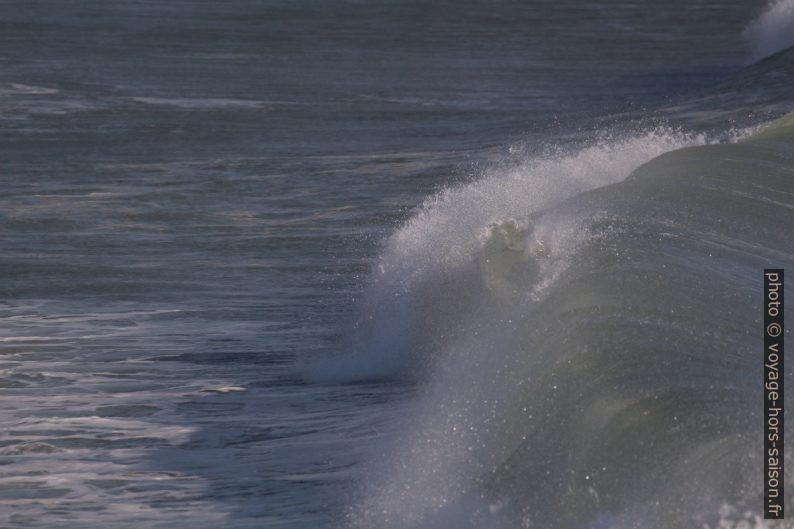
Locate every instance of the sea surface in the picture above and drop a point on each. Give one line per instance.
(389, 264)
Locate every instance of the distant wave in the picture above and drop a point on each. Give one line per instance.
(773, 31)
(200, 103)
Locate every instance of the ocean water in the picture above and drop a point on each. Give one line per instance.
(389, 264)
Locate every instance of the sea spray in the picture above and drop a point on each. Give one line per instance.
(454, 257)
(773, 30)
(566, 381)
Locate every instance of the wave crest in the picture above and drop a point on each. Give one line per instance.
(473, 250)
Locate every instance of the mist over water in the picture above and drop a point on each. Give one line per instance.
(387, 265)
(773, 31)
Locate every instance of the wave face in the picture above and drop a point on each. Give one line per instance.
(773, 31)
(590, 359)
(468, 250)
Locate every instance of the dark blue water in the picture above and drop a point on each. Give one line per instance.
(194, 195)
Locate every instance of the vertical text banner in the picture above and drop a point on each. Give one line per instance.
(773, 394)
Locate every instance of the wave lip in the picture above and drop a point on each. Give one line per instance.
(468, 250)
(773, 31)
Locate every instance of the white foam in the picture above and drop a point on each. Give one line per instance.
(199, 103)
(224, 389)
(24, 89)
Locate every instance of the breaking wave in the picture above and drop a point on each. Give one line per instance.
(773, 30)
(585, 339)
